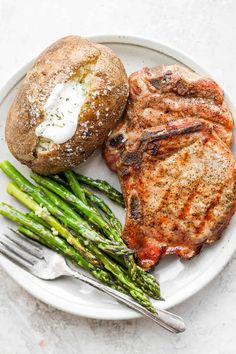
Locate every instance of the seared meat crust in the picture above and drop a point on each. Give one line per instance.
(178, 179)
(167, 93)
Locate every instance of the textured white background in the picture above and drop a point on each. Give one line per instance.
(204, 29)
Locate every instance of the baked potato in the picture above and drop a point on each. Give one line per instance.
(66, 105)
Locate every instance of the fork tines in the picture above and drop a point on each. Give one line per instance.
(20, 249)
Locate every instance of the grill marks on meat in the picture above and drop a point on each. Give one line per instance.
(177, 175)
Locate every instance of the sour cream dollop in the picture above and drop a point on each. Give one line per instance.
(62, 110)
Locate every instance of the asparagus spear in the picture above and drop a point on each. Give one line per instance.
(73, 257)
(104, 207)
(87, 194)
(60, 203)
(76, 188)
(146, 281)
(60, 180)
(36, 231)
(23, 230)
(55, 226)
(42, 212)
(102, 186)
(57, 243)
(38, 196)
(71, 218)
(33, 216)
(93, 198)
(107, 263)
(51, 240)
(86, 210)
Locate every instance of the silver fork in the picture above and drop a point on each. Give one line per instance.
(47, 264)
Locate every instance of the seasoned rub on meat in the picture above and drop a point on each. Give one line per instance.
(179, 183)
(163, 93)
(177, 174)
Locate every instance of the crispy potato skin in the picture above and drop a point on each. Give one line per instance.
(57, 64)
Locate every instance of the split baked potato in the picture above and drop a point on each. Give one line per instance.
(33, 133)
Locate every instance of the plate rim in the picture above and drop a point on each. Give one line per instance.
(122, 313)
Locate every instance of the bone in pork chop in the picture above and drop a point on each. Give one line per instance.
(178, 179)
(165, 93)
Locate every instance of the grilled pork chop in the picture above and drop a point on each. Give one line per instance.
(177, 175)
(163, 93)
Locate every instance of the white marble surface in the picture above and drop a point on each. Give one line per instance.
(205, 29)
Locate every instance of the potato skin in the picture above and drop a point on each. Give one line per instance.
(107, 95)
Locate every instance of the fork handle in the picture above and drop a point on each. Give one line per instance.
(165, 319)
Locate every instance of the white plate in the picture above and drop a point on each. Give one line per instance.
(179, 280)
